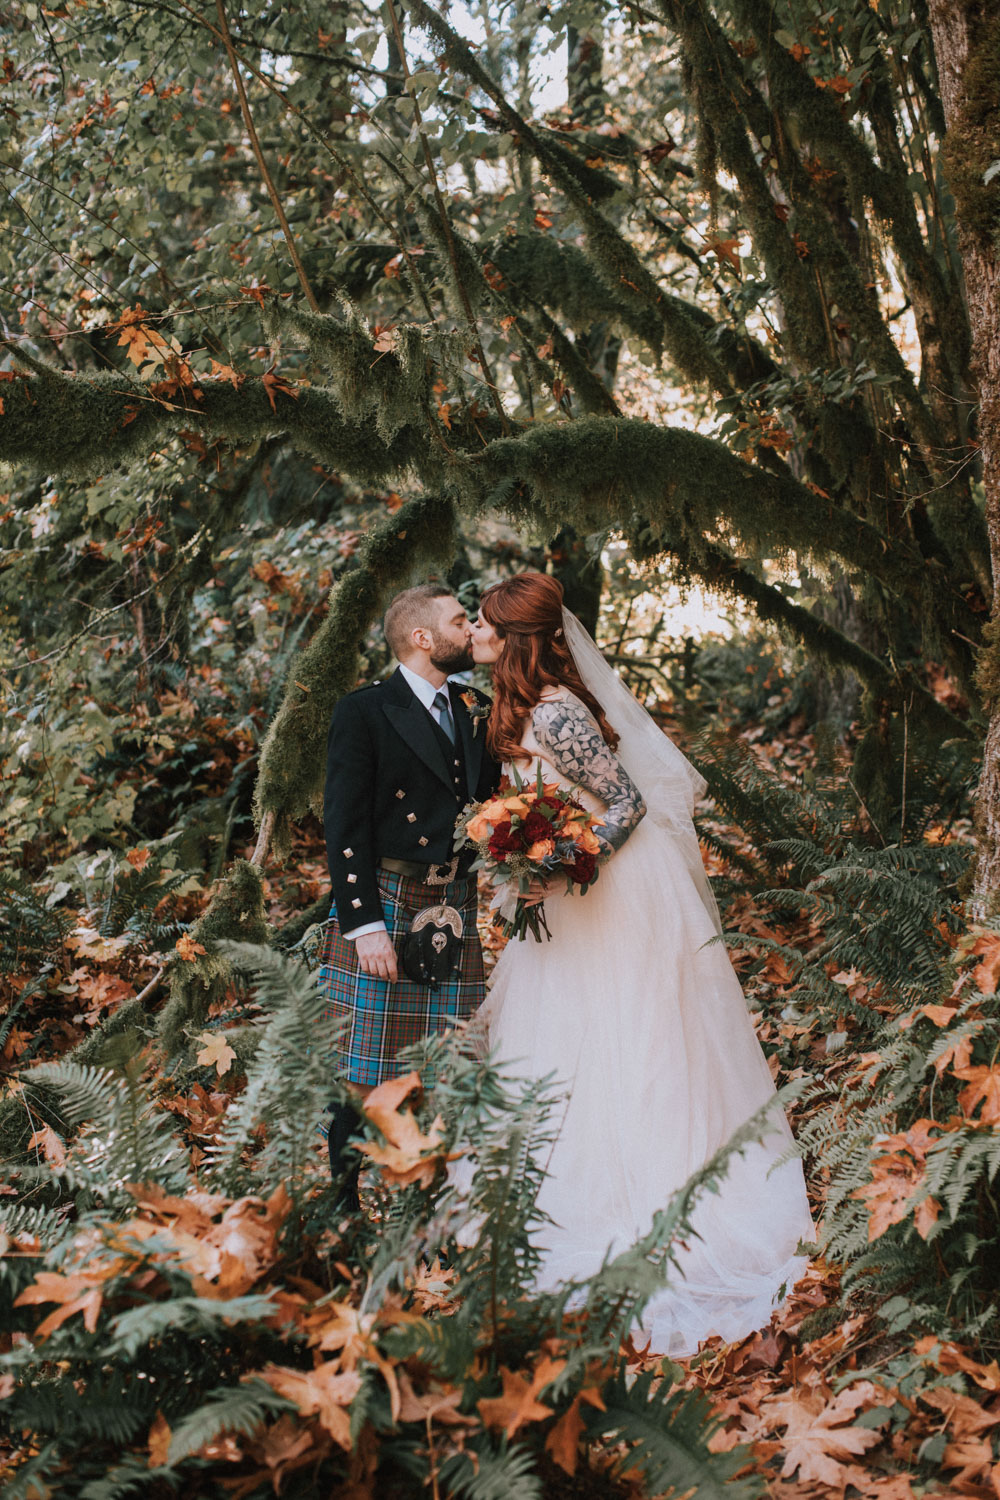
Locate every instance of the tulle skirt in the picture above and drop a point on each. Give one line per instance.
(648, 1033)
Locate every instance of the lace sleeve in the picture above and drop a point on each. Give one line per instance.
(570, 735)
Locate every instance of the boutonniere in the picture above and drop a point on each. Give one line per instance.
(477, 710)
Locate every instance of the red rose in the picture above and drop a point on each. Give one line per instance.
(505, 840)
(581, 871)
(536, 826)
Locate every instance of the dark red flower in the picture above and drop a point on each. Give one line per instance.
(505, 840)
(536, 826)
(581, 871)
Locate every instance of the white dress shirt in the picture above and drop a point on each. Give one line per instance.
(425, 691)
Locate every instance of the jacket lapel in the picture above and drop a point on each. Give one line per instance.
(472, 733)
(412, 723)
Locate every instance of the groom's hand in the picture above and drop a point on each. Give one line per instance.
(376, 955)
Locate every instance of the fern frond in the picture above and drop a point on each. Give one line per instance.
(667, 1433)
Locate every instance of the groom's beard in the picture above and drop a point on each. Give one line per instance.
(449, 658)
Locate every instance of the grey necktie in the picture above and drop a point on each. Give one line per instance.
(444, 714)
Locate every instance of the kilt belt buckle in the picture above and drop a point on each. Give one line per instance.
(427, 874)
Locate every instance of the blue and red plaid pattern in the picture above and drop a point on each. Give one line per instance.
(382, 1018)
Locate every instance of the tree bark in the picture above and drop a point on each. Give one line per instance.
(967, 44)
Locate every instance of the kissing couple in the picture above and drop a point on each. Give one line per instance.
(631, 1005)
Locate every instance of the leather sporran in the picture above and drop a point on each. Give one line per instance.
(431, 952)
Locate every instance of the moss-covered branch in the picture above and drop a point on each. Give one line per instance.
(824, 642)
(419, 536)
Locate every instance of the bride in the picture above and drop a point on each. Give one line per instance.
(630, 1005)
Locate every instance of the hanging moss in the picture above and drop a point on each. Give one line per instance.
(820, 121)
(236, 912)
(292, 758)
(85, 425)
(394, 386)
(823, 641)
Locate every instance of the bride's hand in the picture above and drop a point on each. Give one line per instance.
(537, 892)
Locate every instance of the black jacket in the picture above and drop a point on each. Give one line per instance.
(393, 788)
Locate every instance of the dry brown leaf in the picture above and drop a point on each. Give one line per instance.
(818, 1438)
(158, 1441)
(82, 1293)
(325, 1392)
(437, 1404)
(562, 1443)
(983, 1088)
(186, 948)
(949, 1357)
(409, 1155)
(518, 1404)
(215, 1052)
(50, 1145)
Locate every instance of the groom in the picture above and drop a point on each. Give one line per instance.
(403, 759)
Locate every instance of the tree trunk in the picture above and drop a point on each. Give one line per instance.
(967, 44)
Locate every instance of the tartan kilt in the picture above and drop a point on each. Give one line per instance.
(382, 1018)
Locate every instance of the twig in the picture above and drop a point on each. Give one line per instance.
(151, 988)
(272, 191)
(263, 845)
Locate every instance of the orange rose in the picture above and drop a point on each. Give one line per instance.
(516, 805)
(542, 849)
(589, 842)
(479, 828)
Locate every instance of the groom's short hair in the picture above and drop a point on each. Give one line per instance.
(407, 612)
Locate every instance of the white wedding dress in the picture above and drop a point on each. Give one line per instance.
(647, 1030)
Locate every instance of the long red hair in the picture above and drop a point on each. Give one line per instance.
(526, 612)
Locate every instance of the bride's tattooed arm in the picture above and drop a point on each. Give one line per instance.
(569, 734)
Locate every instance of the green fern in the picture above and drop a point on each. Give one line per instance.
(667, 1432)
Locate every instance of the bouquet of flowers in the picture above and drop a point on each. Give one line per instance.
(526, 834)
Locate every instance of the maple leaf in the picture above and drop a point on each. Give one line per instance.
(949, 1357)
(436, 1404)
(816, 1439)
(958, 1054)
(247, 1238)
(519, 1403)
(158, 1441)
(987, 973)
(257, 291)
(51, 1146)
(187, 949)
(726, 250)
(274, 383)
(983, 1088)
(384, 337)
(897, 1180)
(562, 1442)
(81, 1293)
(409, 1155)
(138, 858)
(433, 1288)
(325, 1392)
(88, 943)
(216, 1052)
(226, 372)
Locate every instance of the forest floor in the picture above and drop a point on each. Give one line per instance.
(809, 1395)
